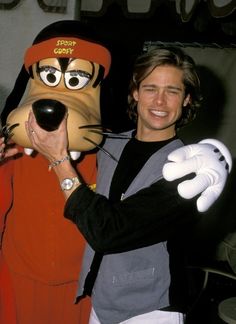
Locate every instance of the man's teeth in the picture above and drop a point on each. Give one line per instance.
(73, 154)
(159, 113)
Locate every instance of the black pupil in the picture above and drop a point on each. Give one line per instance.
(51, 78)
(73, 81)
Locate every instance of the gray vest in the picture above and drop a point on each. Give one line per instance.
(134, 282)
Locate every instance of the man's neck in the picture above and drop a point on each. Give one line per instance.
(147, 135)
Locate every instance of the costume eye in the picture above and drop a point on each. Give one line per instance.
(50, 75)
(75, 80)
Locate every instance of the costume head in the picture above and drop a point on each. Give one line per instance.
(63, 69)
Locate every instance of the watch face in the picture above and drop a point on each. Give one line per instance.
(67, 184)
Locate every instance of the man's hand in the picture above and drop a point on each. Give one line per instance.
(53, 145)
(210, 160)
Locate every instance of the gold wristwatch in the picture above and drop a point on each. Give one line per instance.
(69, 183)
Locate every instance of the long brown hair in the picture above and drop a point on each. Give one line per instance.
(148, 61)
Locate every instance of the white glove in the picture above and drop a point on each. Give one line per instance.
(210, 160)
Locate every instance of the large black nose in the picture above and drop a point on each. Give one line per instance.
(49, 113)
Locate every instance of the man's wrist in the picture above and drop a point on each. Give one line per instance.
(70, 183)
(55, 163)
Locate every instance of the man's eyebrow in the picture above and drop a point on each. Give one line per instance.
(167, 87)
(149, 85)
(174, 87)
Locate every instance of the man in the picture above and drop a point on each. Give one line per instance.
(136, 223)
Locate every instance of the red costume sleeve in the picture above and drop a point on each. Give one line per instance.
(7, 304)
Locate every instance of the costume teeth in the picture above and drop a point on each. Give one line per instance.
(28, 151)
(75, 155)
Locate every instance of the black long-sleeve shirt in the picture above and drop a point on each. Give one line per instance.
(148, 217)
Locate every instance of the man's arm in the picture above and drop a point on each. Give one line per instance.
(150, 216)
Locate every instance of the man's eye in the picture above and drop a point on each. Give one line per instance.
(75, 80)
(173, 91)
(151, 90)
(50, 76)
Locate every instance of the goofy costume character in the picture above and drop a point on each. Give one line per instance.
(41, 251)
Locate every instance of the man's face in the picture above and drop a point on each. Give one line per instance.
(160, 98)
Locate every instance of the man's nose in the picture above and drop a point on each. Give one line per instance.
(159, 96)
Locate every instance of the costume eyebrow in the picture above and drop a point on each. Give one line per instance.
(45, 67)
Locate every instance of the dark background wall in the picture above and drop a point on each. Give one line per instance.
(126, 32)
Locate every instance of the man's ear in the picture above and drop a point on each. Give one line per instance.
(186, 100)
(135, 95)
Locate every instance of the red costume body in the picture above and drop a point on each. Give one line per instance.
(41, 248)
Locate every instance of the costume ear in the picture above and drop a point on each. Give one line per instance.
(15, 96)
